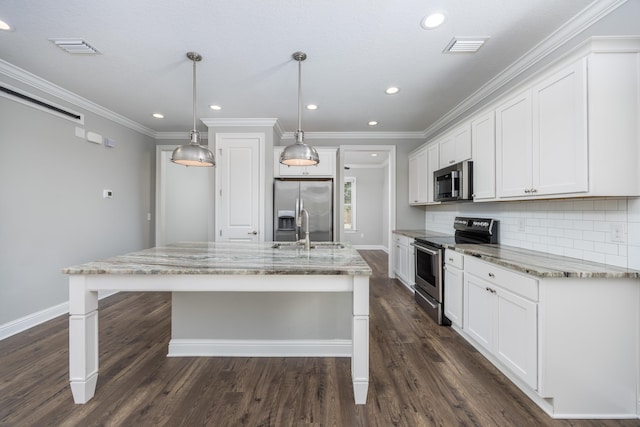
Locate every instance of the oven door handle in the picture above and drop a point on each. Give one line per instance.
(423, 249)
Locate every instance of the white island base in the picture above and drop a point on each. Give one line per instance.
(328, 317)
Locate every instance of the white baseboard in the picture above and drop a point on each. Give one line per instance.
(259, 348)
(29, 321)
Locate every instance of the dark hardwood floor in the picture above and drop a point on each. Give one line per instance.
(421, 374)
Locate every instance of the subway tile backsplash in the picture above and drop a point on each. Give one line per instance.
(605, 230)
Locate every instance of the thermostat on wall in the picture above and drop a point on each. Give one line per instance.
(96, 138)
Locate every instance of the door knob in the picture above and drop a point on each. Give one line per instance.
(253, 232)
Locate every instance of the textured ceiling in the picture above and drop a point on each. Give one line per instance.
(355, 50)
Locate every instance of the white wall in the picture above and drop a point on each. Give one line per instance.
(371, 207)
(577, 228)
(52, 211)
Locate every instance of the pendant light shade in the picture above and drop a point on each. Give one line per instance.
(193, 154)
(299, 153)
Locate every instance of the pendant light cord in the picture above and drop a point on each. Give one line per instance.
(194, 95)
(299, 94)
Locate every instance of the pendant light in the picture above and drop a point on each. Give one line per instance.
(193, 154)
(299, 154)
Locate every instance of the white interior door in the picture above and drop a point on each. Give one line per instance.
(239, 194)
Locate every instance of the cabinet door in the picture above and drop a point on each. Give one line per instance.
(513, 145)
(479, 306)
(456, 146)
(484, 157)
(560, 163)
(453, 294)
(516, 335)
(418, 177)
(397, 256)
(447, 152)
(326, 167)
(462, 142)
(433, 164)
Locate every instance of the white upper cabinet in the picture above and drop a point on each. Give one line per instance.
(560, 145)
(455, 147)
(433, 164)
(483, 144)
(326, 167)
(513, 146)
(418, 179)
(541, 137)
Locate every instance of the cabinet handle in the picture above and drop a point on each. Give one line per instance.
(493, 291)
(533, 190)
(492, 275)
(451, 259)
(527, 191)
(451, 162)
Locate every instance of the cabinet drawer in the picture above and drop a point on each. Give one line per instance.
(519, 284)
(454, 259)
(402, 240)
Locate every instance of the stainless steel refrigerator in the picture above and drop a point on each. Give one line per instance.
(315, 196)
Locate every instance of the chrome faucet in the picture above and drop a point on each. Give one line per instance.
(306, 241)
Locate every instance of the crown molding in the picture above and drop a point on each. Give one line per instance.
(179, 135)
(358, 135)
(587, 17)
(49, 88)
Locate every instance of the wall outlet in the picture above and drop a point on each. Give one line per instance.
(521, 225)
(618, 232)
(107, 194)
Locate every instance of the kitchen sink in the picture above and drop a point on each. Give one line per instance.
(314, 245)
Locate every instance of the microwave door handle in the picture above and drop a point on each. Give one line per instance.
(455, 183)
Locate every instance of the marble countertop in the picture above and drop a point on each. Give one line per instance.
(231, 258)
(542, 264)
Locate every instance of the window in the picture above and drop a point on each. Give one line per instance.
(349, 205)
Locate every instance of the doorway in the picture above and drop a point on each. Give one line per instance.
(369, 210)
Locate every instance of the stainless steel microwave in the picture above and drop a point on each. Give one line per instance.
(454, 183)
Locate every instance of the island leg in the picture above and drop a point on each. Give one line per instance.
(360, 338)
(83, 339)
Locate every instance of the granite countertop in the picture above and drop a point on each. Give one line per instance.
(421, 233)
(542, 264)
(231, 258)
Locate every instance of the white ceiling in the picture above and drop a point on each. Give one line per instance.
(355, 49)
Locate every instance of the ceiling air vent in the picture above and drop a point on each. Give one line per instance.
(75, 46)
(465, 44)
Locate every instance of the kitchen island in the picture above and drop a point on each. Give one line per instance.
(242, 279)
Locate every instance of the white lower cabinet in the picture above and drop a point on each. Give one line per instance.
(502, 321)
(453, 289)
(403, 259)
(556, 338)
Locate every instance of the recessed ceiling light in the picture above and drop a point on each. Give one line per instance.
(158, 115)
(215, 107)
(372, 123)
(5, 26)
(433, 20)
(374, 154)
(392, 90)
(312, 107)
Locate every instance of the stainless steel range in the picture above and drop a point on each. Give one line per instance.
(429, 256)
